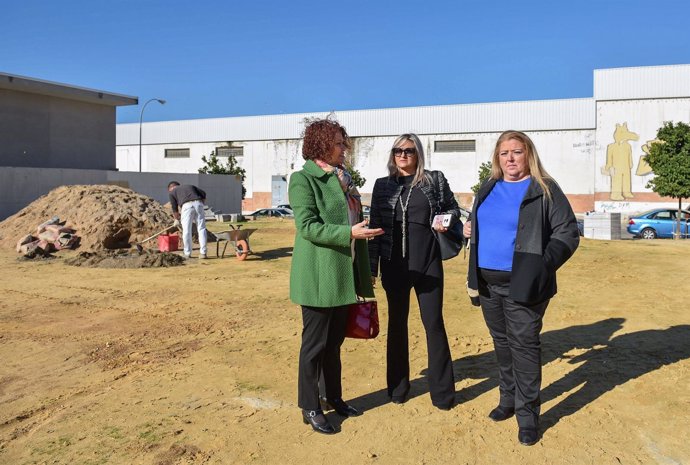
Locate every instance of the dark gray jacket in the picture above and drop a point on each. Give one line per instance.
(547, 236)
(183, 194)
(382, 215)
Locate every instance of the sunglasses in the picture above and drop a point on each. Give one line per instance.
(398, 152)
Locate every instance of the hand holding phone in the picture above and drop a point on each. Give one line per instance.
(441, 221)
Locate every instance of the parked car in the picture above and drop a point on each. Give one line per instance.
(271, 213)
(366, 209)
(660, 222)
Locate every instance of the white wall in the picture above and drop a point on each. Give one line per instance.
(567, 155)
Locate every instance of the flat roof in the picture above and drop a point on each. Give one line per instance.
(66, 91)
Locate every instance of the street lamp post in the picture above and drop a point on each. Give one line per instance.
(141, 119)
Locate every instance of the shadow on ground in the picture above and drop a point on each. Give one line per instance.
(609, 361)
(272, 254)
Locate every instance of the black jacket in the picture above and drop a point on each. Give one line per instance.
(183, 194)
(382, 215)
(547, 237)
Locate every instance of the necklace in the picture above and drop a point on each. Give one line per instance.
(404, 206)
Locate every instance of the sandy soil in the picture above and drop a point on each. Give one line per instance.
(124, 258)
(197, 364)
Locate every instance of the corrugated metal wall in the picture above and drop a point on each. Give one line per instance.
(541, 115)
(642, 83)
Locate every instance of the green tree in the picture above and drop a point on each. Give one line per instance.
(670, 161)
(484, 173)
(357, 178)
(213, 165)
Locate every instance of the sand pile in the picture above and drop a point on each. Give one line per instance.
(125, 259)
(105, 217)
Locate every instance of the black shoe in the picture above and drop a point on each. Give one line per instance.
(318, 421)
(444, 407)
(501, 413)
(400, 399)
(528, 436)
(342, 408)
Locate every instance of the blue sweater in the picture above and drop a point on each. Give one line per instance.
(498, 220)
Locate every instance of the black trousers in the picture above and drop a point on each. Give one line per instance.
(398, 282)
(515, 330)
(323, 332)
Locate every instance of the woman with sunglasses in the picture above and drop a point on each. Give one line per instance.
(404, 204)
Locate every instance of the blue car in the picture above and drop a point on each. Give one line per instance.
(660, 222)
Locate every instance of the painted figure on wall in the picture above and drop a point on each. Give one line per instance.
(619, 162)
(643, 167)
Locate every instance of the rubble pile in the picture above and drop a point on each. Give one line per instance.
(50, 237)
(103, 216)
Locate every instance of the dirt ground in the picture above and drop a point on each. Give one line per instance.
(197, 364)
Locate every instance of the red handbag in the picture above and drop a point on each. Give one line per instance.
(362, 320)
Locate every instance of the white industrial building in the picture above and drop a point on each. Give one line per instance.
(594, 147)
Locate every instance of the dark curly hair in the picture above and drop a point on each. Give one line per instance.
(319, 137)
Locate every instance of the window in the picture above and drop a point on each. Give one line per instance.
(176, 153)
(665, 215)
(236, 152)
(454, 146)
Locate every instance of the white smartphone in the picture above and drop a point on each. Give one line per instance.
(442, 220)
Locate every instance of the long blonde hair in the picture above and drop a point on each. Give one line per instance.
(419, 177)
(536, 169)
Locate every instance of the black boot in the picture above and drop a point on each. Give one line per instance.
(342, 408)
(528, 436)
(501, 413)
(318, 421)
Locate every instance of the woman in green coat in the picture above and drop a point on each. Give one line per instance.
(330, 265)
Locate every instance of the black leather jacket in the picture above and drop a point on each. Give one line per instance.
(382, 215)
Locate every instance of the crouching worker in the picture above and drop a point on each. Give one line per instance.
(187, 204)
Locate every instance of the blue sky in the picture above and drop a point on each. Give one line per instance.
(234, 58)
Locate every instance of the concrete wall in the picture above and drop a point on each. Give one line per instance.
(567, 155)
(52, 132)
(261, 160)
(223, 193)
(21, 186)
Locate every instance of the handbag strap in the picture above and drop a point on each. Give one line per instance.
(437, 189)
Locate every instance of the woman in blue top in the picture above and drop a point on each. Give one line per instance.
(522, 230)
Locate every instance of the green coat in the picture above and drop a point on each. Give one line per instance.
(322, 273)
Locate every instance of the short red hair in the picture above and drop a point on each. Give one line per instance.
(319, 138)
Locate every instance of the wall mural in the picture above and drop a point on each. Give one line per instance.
(619, 162)
(643, 167)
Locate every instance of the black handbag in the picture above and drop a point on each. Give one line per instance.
(450, 242)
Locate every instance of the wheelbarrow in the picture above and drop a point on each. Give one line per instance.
(240, 239)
